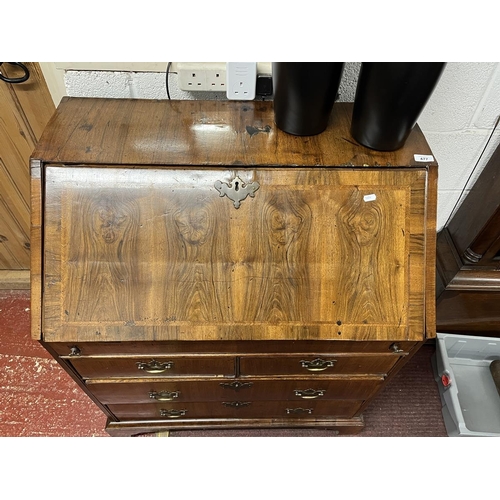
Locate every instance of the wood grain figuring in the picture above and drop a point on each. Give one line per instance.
(36, 257)
(213, 133)
(198, 237)
(158, 255)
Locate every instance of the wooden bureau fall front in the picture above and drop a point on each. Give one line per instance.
(195, 267)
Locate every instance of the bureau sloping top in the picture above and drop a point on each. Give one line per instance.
(158, 254)
(152, 132)
(136, 233)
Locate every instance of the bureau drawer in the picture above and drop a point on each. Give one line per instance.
(317, 364)
(153, 390)
(236, 408)
(171, 366)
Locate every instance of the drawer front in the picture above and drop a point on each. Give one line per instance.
(317, 365)
(151, 391)
(237, 408)
(145, 348)
(172, 366)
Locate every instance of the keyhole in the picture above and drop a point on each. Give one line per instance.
(236, 186)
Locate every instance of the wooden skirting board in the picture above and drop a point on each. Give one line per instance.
(14, 280)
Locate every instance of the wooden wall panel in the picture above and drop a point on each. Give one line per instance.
(25, 110)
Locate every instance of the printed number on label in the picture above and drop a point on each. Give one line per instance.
(424, 158)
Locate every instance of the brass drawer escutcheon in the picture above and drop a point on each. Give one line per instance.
(236, 386)
(296, 411)
(172, 413)
(236, 404)
(318, 364)
(155, 366)
(309, 393)
(164, 395)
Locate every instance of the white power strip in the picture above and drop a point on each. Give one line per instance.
(241, 80)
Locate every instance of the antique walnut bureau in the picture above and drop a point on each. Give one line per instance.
(195, 267)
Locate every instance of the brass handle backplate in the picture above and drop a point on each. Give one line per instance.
(172, 413)
(236, 404)
(318, 364)
(164, 395)
(155, 366)
(309, 393)
(295, 411)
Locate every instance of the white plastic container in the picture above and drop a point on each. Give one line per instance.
(471, 403)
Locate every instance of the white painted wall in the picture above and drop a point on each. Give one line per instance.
(457, 120)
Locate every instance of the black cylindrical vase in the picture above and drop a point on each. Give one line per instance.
(389, 100)
(304, 94)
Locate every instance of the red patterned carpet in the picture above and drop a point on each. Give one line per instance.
(37, 398)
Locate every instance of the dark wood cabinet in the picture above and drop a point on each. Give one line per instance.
(468, 260)
(195, 267)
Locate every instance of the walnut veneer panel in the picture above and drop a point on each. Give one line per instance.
(192, 133)
(136, 254)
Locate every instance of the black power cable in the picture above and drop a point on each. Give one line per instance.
(166, 79)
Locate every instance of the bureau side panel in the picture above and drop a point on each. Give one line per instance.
(36, 249)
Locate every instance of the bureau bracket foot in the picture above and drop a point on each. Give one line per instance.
(341, 426)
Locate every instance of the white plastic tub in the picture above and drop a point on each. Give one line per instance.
(471, 403)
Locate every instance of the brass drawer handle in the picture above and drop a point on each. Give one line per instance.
(318, 364)
(172, 413)
(309, 393)
(164, 395)
(155, 366)
(236, 386)
(293, 411)
(236, 404)
(395, 348)
(75, 351)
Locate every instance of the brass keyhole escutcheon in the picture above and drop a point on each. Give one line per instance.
(236, 190)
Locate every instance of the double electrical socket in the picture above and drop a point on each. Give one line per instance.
(201, 77)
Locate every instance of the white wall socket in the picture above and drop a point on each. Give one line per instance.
(201, 77)
(241, 80)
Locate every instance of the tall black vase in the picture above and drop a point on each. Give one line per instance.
(304, 94)
(389, 100)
